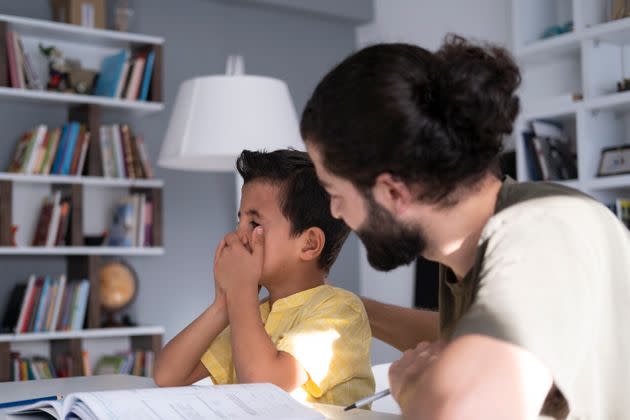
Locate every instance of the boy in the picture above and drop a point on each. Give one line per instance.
(308, 338)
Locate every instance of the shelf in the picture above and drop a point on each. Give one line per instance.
(619, 102)
(609, 182)
(76, 33)
(616, 32)
(543, 51)
(83, 334)
(41, 96)
(550, 109)
(82, 250)
(83, 180)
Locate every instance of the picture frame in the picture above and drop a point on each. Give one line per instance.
(614, 161)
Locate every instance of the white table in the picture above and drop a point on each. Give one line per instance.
(13, 391)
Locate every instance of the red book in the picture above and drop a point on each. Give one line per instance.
(13, 68)
(64, 223)
(43, 223)
(29, 319)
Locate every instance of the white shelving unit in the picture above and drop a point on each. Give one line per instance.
(21, 195)
(588, 61)
(83, 334)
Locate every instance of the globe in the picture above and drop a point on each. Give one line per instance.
(118, 286)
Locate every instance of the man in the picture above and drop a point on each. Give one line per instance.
(535, 278)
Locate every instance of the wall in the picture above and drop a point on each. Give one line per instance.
(294, 46)
(423, 22)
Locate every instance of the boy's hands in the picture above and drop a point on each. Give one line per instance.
(236, 268)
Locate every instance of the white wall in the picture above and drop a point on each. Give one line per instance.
(423, 22)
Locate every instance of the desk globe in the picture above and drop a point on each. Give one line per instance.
(118, 286)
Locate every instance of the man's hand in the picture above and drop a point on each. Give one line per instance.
(405, 372)
(236, 267)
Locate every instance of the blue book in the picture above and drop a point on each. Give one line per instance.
(121, 230)
(73, 136)
(59, 153)
(146, 79)
(110, 74)
(78, 317)
(41, 307)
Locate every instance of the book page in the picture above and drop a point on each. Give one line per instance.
(54, 408)
(247, 401)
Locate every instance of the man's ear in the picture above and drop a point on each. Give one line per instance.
(392, 193)
(312, 243)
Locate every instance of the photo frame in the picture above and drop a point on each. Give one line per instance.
(614, 161)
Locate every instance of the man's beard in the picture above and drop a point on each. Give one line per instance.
(389, 244)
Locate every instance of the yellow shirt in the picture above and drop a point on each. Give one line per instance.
(326, 329)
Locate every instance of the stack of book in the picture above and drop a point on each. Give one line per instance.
(21, 70)
(132, 222)
(52, 304)
(53, 222)
(61, 151)
(123, 154)
(126, 76)
(139, 363)
(26, 368)
(548, 152)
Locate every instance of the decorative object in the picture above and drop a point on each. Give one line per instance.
(557, 30)
(118, 286)
(215, 117)
(88, 13)
(122, 15)
(82, 80)
(57, 69)
(618, 9)
(614, 161)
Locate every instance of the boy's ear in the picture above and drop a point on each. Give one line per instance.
(313, 240)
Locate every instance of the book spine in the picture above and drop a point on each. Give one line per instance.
(127, 152)
(25, 302)
(71, 148)
(41, 308)
(148, 74)
(61, 149)
(19, 62)
(58, 302)
(144, 157)
(118, 152)
(84, 149)
(54, 221)
(12, 60)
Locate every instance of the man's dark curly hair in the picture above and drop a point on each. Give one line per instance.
(303, 201)
(434, 119)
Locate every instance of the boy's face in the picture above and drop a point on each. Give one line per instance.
(260, 207)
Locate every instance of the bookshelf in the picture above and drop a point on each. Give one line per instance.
(589, 61)
(82, 261)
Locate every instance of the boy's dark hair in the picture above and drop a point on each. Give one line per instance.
(303, 201)
(436, 119)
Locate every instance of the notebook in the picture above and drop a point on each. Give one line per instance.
(244, 401)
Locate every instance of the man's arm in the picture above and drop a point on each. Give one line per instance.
(179, 362)
(473, 377)
(401, 327)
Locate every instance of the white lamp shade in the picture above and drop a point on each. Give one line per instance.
(216, 117)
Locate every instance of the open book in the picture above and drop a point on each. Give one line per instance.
(246, 401)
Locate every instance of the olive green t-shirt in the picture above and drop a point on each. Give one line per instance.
(552, 276)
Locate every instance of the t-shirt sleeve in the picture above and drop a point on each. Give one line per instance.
(218, 358)
(535, 291)
(330, 338)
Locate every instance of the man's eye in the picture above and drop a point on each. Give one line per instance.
(253, 224)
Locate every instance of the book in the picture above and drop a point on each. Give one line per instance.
(13, 68)
(124, 79)
(622, 207)
(19, 61)
(146, 79)
(12, 311)
(243, 401)
(119, 158)
(111, 72)
(20, 152)
(122, 230)
(26, 302)
(133, 87)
